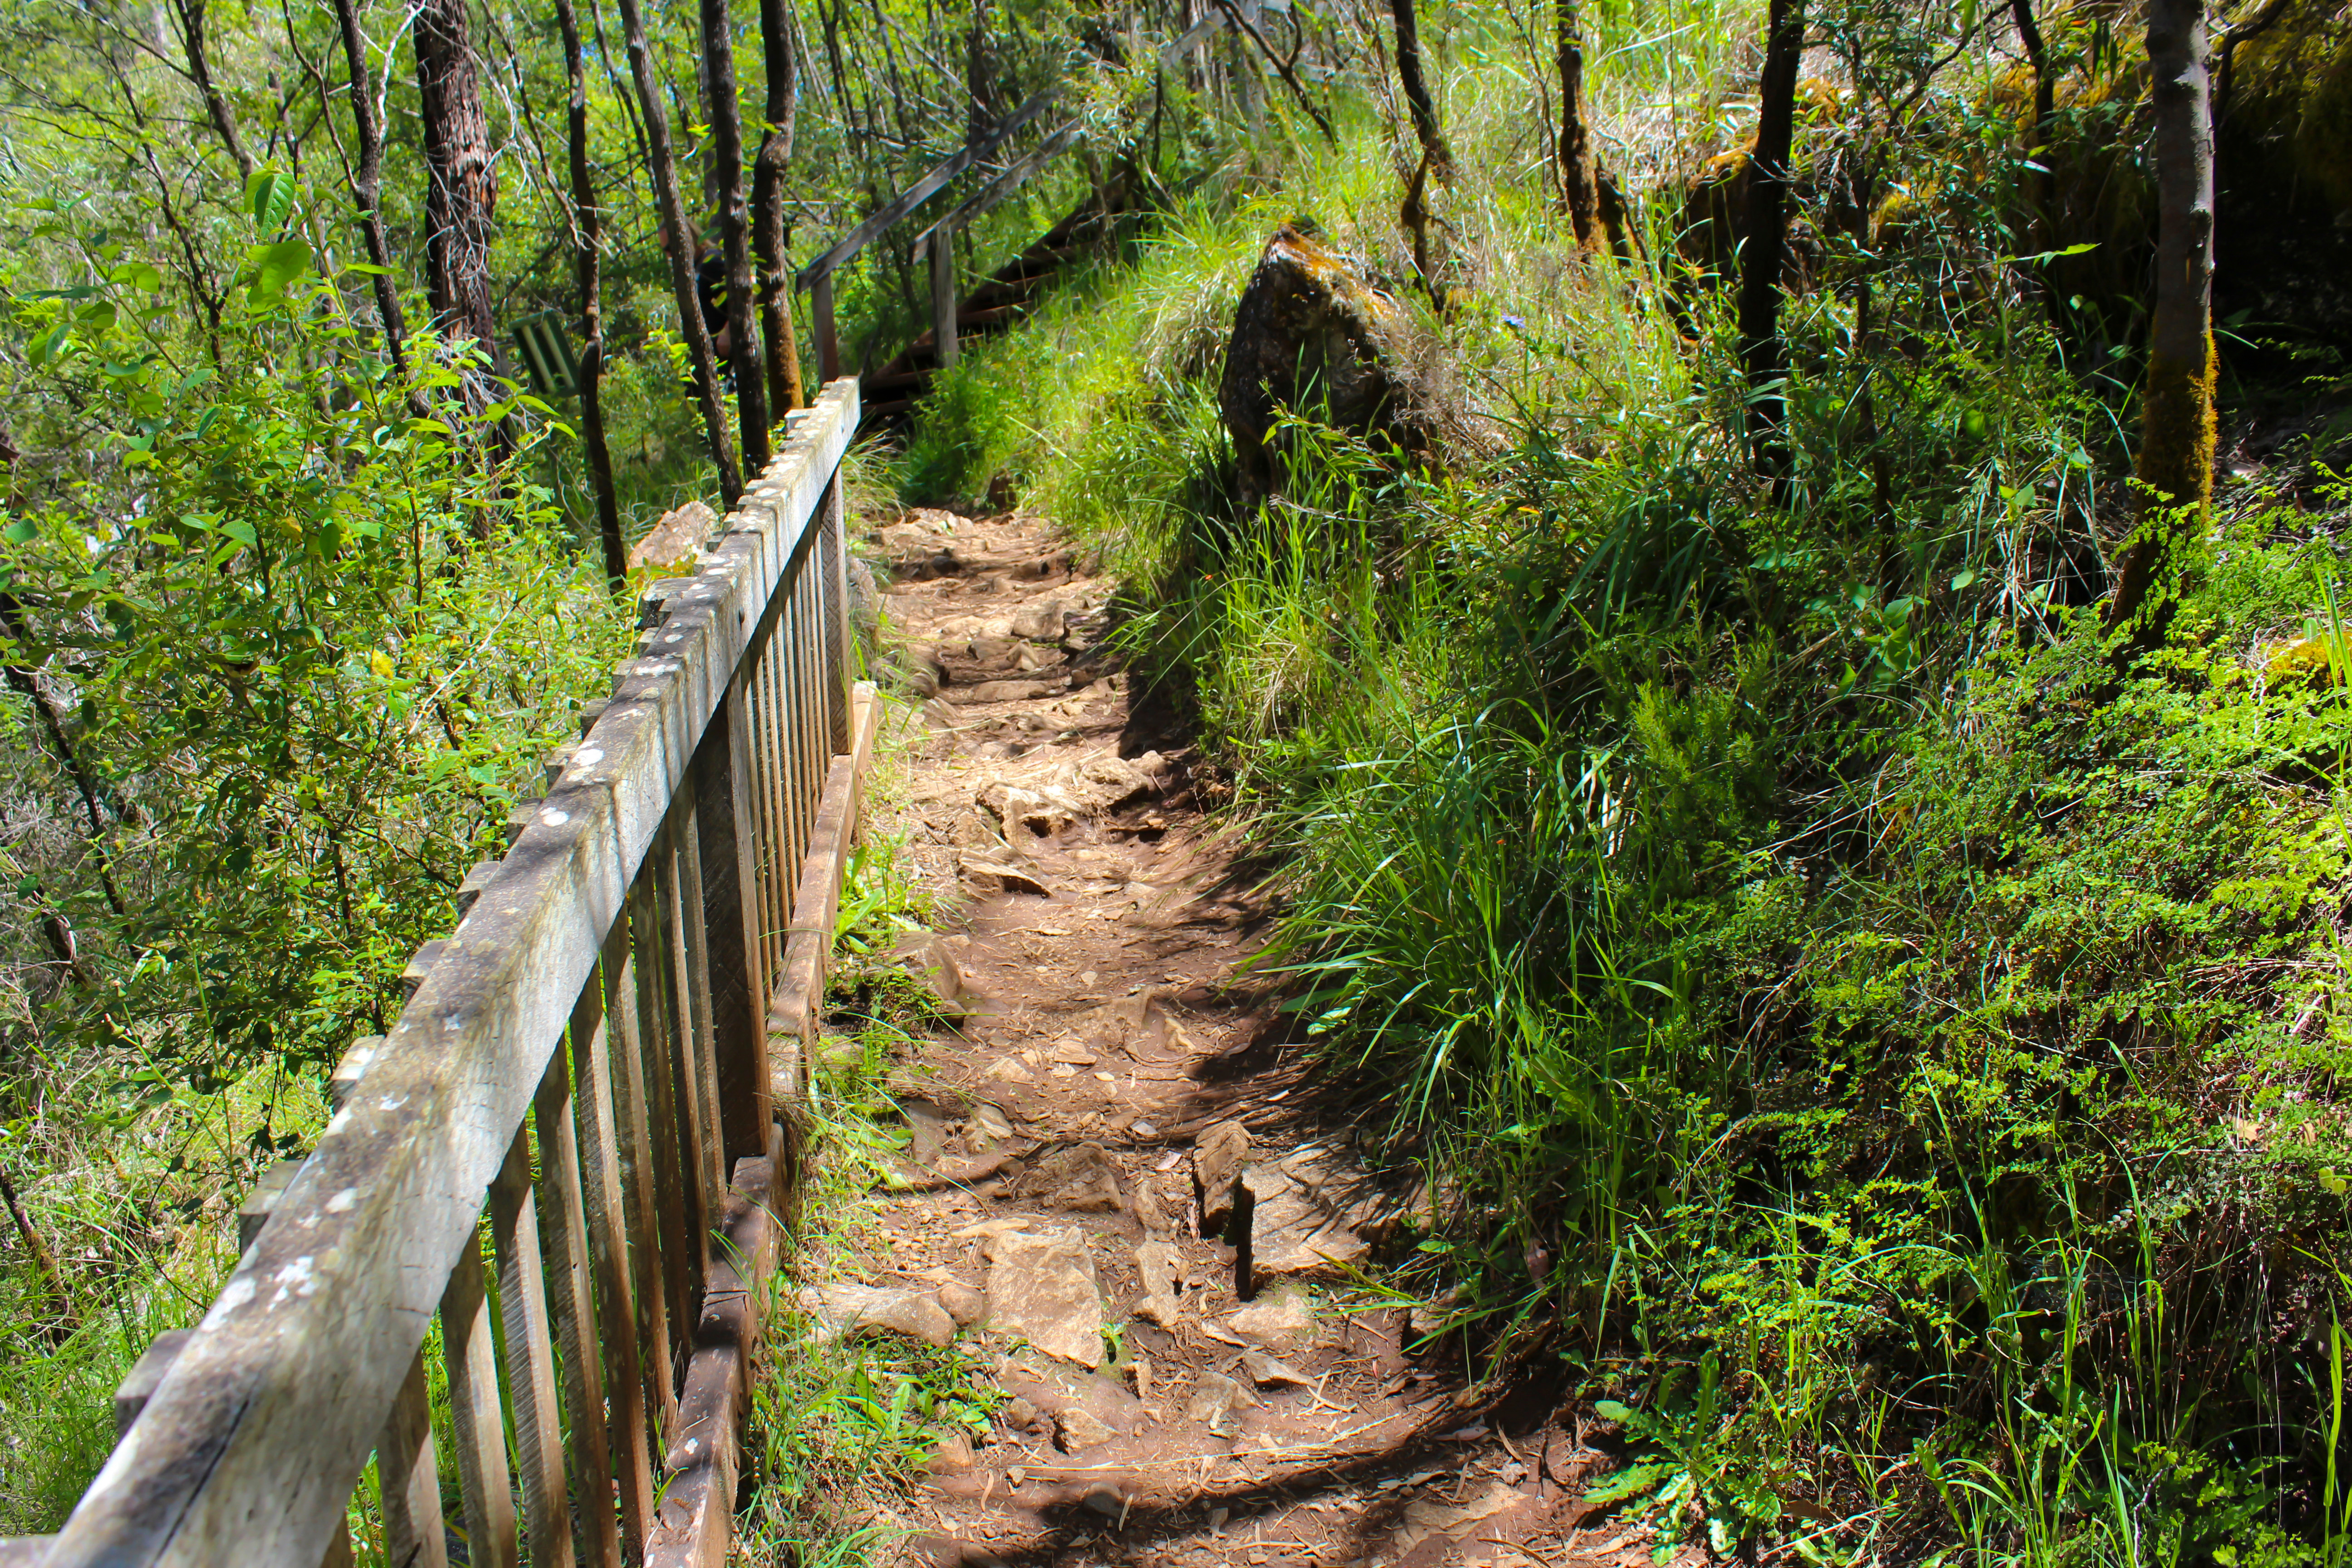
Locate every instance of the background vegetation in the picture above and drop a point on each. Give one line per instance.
(1891, 1063)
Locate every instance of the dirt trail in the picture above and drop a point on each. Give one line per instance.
(1076, 1149)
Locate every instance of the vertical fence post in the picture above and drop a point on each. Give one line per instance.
(943, 297)
(623, 1328)
(728, 852)
(828, 347)
(832, 560)
(483, 1480)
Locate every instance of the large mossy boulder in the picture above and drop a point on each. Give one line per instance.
(1314, 335)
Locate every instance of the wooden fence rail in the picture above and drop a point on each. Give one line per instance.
(567, 1151)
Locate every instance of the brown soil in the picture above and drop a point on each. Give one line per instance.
(1103, 923)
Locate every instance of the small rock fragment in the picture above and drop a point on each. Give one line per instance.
(1149, 1213)
(954, 1453)
(1161, 1267)
(1081, 1178)
(1218, 1156)
(961, 1302)
(1082, 1428)
(990, 1123)
(1105, 1499)
(963, 1170)
(1266, 1371)
(854, 1309)
(1283, 1320)
(991, 874)
(1213, 1403)
(1008, 1069)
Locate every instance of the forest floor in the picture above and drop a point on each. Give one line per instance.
(1073, 1142)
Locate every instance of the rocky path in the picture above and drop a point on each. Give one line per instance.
(1117, 1189)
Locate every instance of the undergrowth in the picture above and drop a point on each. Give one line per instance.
(1891, 1069)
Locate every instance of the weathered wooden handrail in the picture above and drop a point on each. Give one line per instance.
(592, 1063)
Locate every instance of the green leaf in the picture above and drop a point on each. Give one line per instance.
(22, 532)
(1611, 1410)
(275, 266)
(1633, 1480)
(272, 194)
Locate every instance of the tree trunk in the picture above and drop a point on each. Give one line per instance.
(44, 1263)
(1762, 354)
(367, 183)
(2045, 109)
(588, 221)
(742, 306)
(775, 157)
(1579, 172)
(461, 193)
(1416, 92)
(680, 245)
(199, 71)
(2176, 429)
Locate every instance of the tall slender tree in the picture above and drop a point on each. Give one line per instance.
(2177, 414)
(1763, 354)
(1418, 102)
(461, 191)
(587, 239)
(679, 244)
(727, 159)
(367, 181)
(193, 45)
(1580, 170)
(775, 157)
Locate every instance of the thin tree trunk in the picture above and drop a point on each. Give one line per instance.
(27, 682)
(2045, 109)
(1422, 108)
(367, 183)
(672, 210)
(743, 305)
(44, 1262)
(2176, 454)
(200, 70)
(1762, 353)
(1579, 175)
(461, 194)
(588, 221)
(768, 207)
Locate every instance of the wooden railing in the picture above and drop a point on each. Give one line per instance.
(590, 1074)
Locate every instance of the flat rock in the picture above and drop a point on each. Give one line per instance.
(1281, 1320)
(993, 874)
(1011, 690)
(1080, 1178)
(1043, 1288)
(1039, 621)
(848, 1310)
(1267, 1372)
(1076, 1402)
(1293, 1232)
(1425, 1520)
(1213, 1403)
